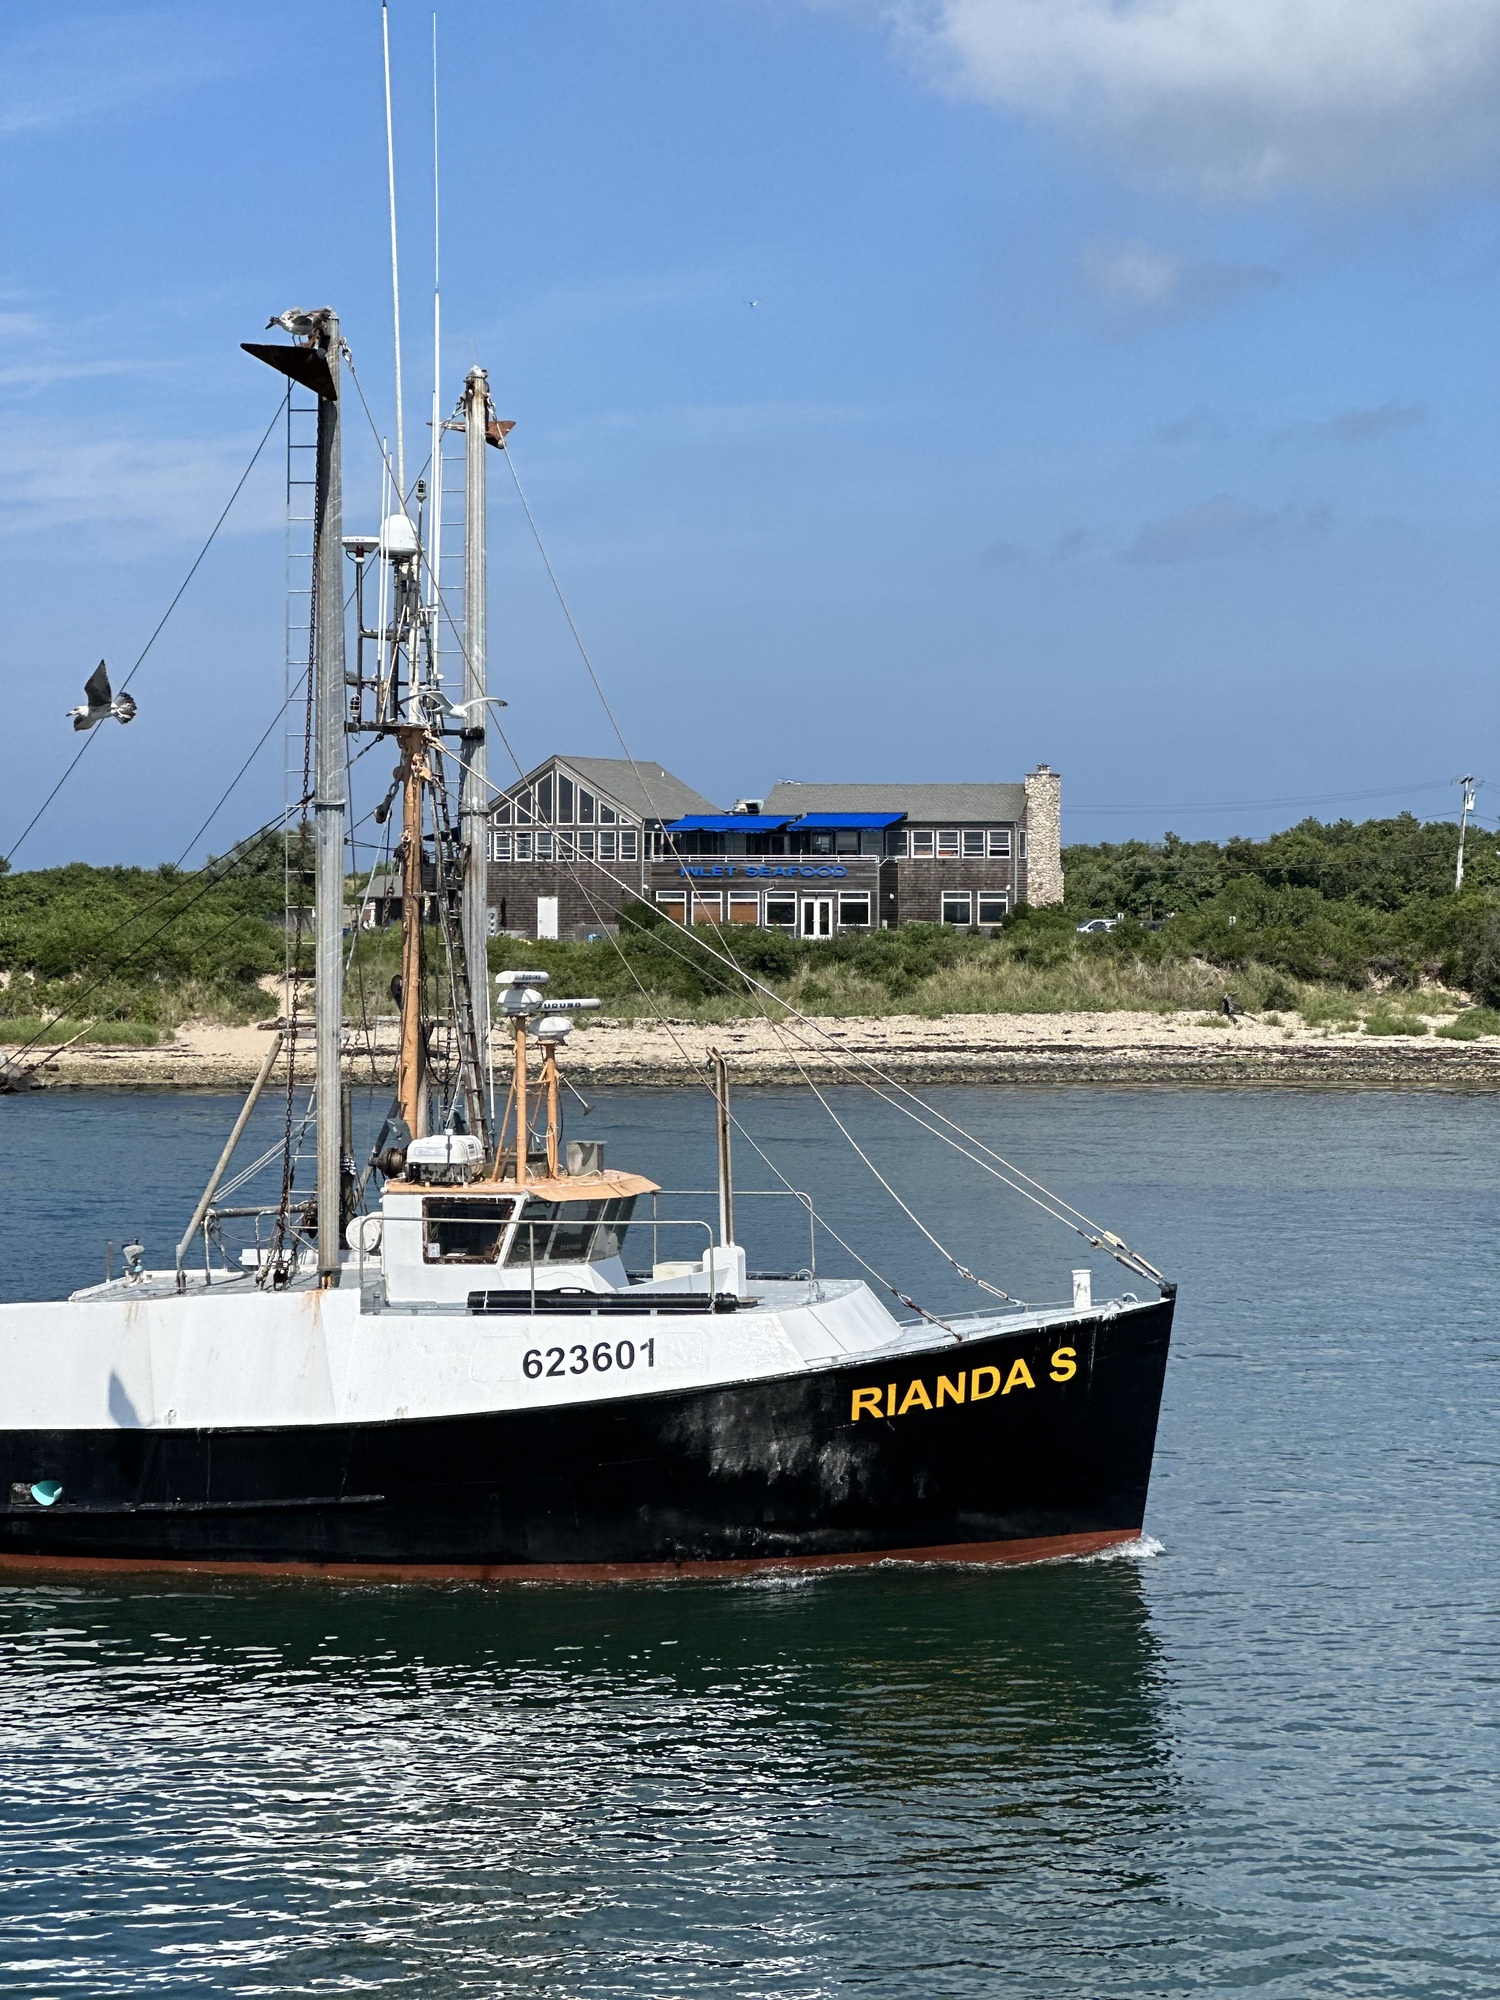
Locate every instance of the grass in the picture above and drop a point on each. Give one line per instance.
(17, 1030)
(1471, 1024)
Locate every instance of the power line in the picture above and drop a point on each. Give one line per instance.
(161, 623)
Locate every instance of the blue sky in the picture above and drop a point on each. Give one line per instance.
(1119, 388)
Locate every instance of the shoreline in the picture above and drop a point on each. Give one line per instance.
(1131, 1049)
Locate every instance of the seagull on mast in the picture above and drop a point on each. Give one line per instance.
(98, 702)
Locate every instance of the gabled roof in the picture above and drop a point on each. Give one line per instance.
(926, 803)
(644, 788)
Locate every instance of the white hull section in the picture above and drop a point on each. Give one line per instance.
(236, 1357)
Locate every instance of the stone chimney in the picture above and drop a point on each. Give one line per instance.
(1043, 835)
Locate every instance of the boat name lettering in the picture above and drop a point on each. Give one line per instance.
(975, 1385)
(718, 873)
(581, 1359)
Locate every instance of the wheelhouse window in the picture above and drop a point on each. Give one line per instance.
(958, 907)
(854, 911)
(570, 1232)
(460, 1231)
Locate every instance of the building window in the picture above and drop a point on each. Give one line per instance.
(846, 840)
(606, 847)
(565, 847)
(1023, 845)
(606, 814)
(586, 846)
(973, 839)
(628, 848)
(999, 842)
(544, 799)
(565, 800)
(544, 846)
(820, 843)
(921, 841)
(958, 907)
(708, 906)
(743, 908)
(502, 812)
(948, 841)
(525, 805)
(781, 912)
(523, 846)
(672, 903)
(499, 847)
(992, 908)
(585, 807)
(854, 911)
(894, 840)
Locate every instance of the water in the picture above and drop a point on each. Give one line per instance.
(1263, 1759)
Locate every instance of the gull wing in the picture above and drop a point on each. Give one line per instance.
(96, 687)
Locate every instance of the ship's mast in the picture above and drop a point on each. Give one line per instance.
(329, 813)
(313, 363)
(474, 787)
(411, 1066)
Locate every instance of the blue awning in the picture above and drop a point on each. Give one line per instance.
(730, 823)
(832, 822)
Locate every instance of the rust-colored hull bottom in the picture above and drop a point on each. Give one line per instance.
(1034, 1549)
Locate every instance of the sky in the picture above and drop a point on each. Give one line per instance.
(903, 389)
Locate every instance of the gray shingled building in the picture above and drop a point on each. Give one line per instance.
(578, 835)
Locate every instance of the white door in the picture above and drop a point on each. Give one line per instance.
(817, 916)
(546, 916)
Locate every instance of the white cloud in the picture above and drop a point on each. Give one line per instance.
(1224, 526)
(1141, 284)
(83, 66)
(161, 489)
(1236, 98)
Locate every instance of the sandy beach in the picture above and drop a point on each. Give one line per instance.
(1115, 1048)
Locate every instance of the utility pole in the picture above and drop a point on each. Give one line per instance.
(1463, 821)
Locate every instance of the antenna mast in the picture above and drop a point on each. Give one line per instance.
(390, 174)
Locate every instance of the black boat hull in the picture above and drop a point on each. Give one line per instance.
(1009, 1448)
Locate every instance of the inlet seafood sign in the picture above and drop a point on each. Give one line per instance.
(720, 870)
(975, 1385)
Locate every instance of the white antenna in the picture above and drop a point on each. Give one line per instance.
(390, 170)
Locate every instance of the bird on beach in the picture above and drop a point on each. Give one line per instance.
(99, 702)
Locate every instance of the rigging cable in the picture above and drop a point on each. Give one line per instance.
(177, 598)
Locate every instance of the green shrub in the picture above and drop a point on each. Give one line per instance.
(1471, 1024)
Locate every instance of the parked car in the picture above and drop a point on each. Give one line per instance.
(1095, 925)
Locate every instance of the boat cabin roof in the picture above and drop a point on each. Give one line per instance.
(570, 1187)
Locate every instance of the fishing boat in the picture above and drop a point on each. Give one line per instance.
(455, 1357)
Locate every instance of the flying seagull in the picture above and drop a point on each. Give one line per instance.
(98, 702)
